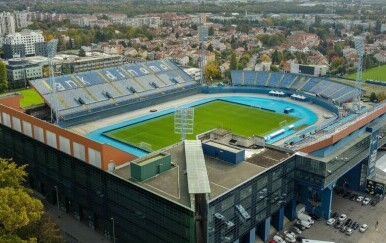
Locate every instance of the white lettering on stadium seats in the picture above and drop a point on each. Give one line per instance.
(59, 86)
(71, 83)
(83, 81)
(110, 75)
(123, 76)
(154, 68)
(132, 72)
(144, 71)
(164, 67)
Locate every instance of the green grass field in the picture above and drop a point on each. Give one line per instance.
(31, 97)
(377, 73)
(240, 119)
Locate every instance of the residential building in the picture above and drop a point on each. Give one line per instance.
(7, 23)
(28, 38)
(95, 61)
(143, 20)
(19, 71)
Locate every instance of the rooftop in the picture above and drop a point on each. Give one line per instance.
(222, 176)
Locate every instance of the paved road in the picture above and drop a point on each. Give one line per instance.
(77, 231)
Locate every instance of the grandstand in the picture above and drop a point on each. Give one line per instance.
(91, 92)
(336, 92)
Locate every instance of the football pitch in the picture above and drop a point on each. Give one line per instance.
(243, 120)
(377, 73)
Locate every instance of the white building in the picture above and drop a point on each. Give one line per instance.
(21, 19)
(139, 21)
(7, 23)
(194, 73)
(26, 37)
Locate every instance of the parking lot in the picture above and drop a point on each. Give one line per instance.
(354, 210)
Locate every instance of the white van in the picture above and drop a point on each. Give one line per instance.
(305, 217)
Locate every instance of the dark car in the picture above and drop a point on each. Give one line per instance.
(353, 197)
(355, 225)
(300, 238)
(338, 224)
(314, 217)
(334, 215)
(299, 226)
(349, 221)
(347, 195)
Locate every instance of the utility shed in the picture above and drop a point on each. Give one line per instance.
(149, 166)
(224, 152)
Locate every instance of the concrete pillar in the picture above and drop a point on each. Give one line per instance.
(290, 210)
(264, 229)
(326, 203)
(252, 236)
(278, 219)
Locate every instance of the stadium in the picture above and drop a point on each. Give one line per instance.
(142, 153)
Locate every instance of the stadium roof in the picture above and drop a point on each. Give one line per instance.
(198, 181)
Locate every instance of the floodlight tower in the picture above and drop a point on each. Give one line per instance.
(184, 121)
(360, 46)
(51, 52)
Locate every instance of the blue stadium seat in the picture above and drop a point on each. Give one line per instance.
(249, 78)
(236, 76)
(275, 79)
(287, 80)
(311, 84)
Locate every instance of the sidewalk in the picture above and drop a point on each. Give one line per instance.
(74, 230)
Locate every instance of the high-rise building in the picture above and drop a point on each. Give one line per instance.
(7, 23)
(28, 38)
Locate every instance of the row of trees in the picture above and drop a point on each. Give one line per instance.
(3, 77)
(21, 215)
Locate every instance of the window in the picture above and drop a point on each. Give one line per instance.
(16, 124)
(51, 139)
(64, 144)
(38, 134)
(6, 119)
(79, 151)
(94, 157)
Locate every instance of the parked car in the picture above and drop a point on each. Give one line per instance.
(300, 238)
(366, 201)
(300, 226)
(315, 217)
(347, 195)
(363, 228)
(338, 224)
(348, 223)
(289, 238)
(296, 230)
(343, 228)
(342, 217)
(331, 221)
(272, 241)
(353, 197)
(374, 202)
(335, 215)
(349, 231)
(355, 225)
(304, 223)
(360, 198)
(278, 239)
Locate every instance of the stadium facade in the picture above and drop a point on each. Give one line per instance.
(226, 196)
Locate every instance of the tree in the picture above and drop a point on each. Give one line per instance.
(276, 58)
(17, 208)
(373, 97)
(233, 64)
(82, 53)
(210, 48)
(212, 71)
(211, 31)
(264, 58)
(3, 77)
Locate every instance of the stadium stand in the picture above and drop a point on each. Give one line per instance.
(97, 90)
(328, 89)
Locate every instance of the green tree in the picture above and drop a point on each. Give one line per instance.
(3, 77)
(17, 208)
(82, 53)
(211, 31)
(210, 48)
(373, 97)
(233, 64)
(276, 58)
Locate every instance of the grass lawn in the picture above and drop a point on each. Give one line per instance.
(377, 73)
(31, 97)
(240, 119)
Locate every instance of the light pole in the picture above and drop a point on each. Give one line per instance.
(112, 219)
(57, 198)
